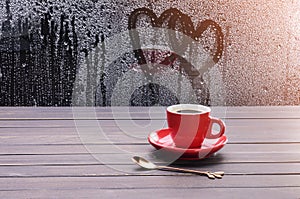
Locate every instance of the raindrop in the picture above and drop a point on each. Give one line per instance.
(265, 89)
(34, 102)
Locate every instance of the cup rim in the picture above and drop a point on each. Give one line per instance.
(198, 107)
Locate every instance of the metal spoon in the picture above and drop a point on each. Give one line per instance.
(149, 165)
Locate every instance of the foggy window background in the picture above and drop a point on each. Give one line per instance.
(62, 53)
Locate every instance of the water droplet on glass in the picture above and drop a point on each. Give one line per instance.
(265, 89)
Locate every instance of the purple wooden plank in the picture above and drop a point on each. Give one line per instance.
(168, 193)
(242, 134)
(225, 156)
(142, 112)
(235, 169)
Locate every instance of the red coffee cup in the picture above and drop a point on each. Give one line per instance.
(190, 124)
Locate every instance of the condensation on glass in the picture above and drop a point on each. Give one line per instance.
(149, 53)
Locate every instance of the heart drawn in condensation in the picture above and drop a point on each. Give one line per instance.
(171, 18)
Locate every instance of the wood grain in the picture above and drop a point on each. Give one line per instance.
(130, 169)
(248, 112)
(168, 193)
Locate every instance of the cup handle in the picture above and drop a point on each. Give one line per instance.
(222, 128)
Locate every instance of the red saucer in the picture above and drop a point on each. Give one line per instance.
(162, 139)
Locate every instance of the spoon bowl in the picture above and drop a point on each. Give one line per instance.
(144, 163)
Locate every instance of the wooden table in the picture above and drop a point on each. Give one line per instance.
(53, 153)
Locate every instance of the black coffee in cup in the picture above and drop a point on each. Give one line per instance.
(188, 111)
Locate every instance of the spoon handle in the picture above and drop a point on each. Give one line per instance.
(166, 168)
